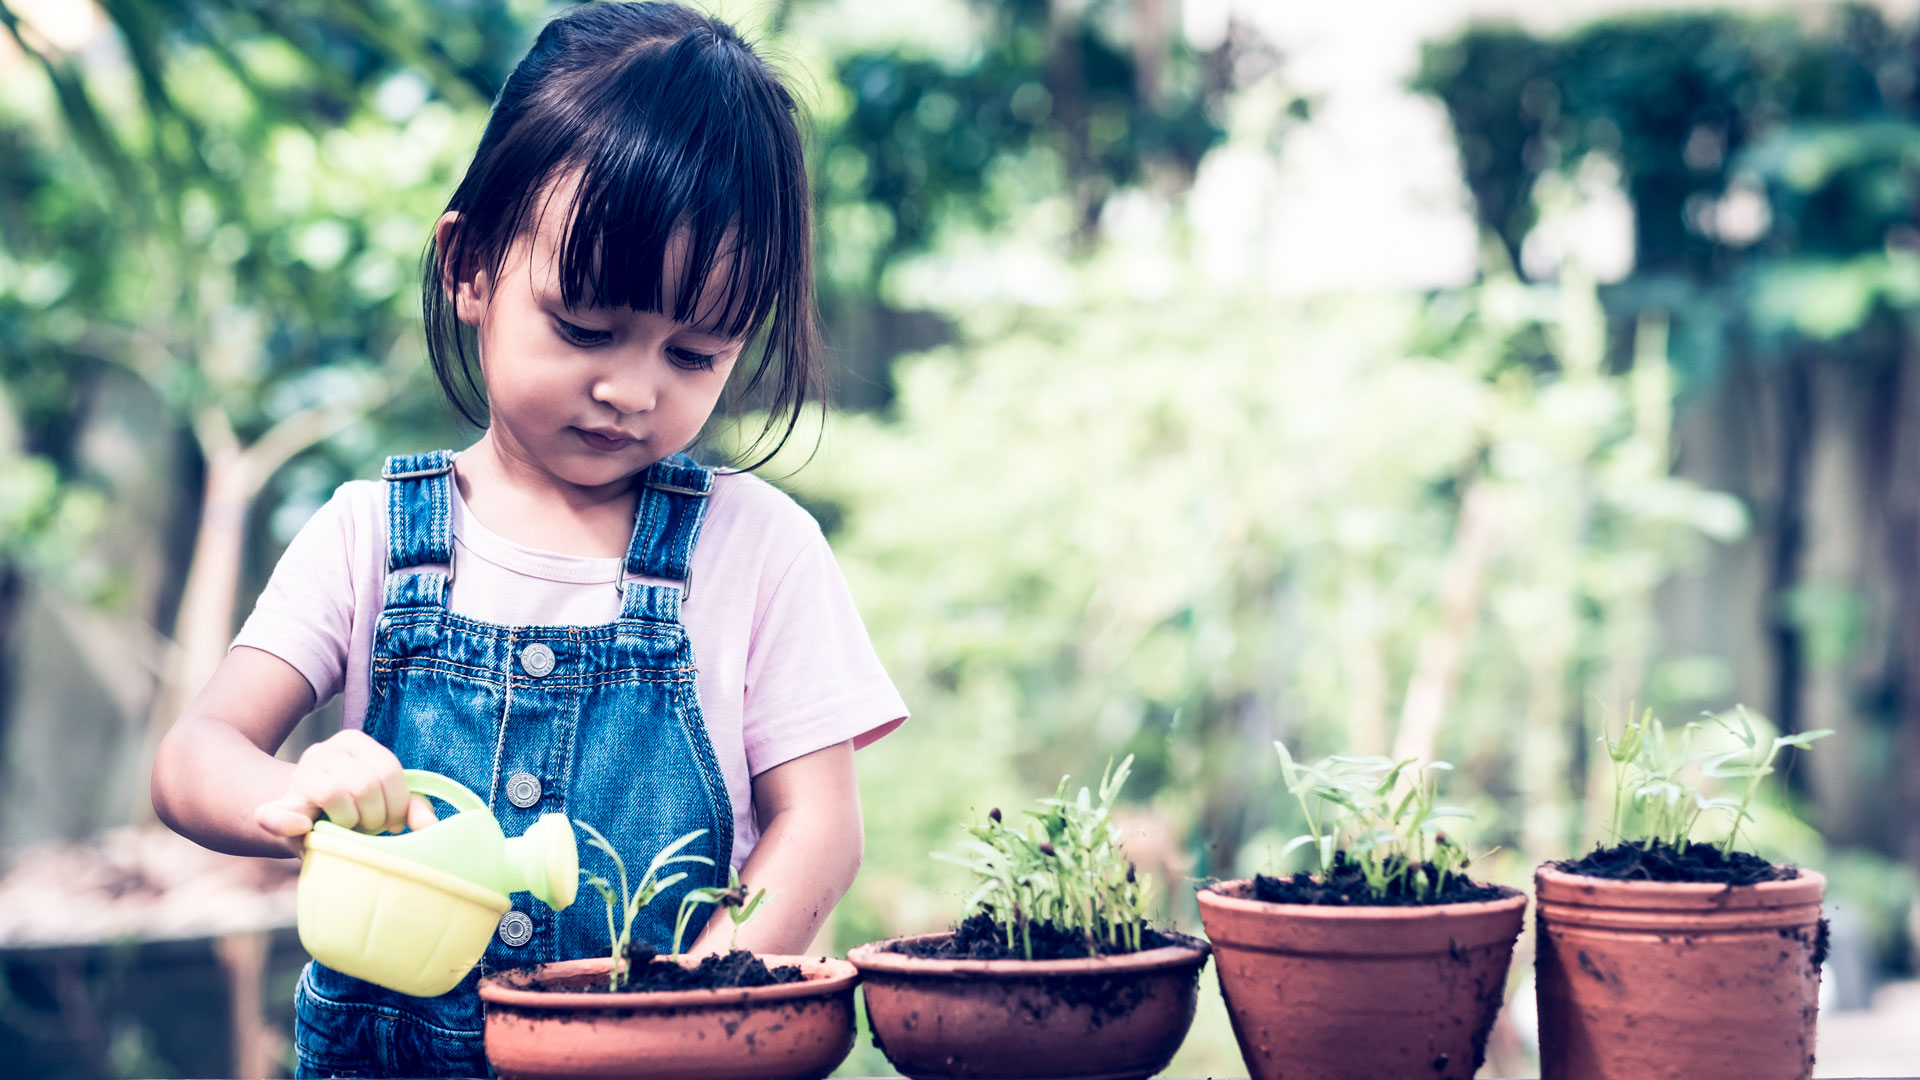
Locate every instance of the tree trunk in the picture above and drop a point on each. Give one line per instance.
(1437, 667)
(235, 474)
(204, 626)
(1840, 641)
(1903, 561)
(1786, 527)
(1067, 82)
(1149, 49)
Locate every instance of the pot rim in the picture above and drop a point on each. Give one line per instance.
(1554, 886)
(1211, 895)
(876, 958)
(505, 988)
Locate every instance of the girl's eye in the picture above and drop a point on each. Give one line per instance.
(580, 335)
(687, 358)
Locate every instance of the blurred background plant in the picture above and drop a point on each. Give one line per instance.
(1209, 372)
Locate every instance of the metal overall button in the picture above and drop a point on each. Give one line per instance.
(536, 659)
(523, 789)
(516, 928)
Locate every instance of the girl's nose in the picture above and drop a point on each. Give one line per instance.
(630, 390)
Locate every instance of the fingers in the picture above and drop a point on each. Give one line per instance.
(384, 809)
(420, 813)
(353, 779)
(286, 816)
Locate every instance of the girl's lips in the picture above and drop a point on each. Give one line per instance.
(595, 440)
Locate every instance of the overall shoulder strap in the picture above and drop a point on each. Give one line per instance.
(419, 527)
(666, 524)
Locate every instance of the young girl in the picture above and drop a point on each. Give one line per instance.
(570, 615)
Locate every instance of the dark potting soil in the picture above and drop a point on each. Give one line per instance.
(978, 937)
(1347, 886)
(1106, 995)
(1661, 861)
(647, 970)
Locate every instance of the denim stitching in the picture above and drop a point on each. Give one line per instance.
(491, 678)
(506, 717)
(703, 754)
(660, 631)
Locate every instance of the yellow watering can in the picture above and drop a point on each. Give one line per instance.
(414, 912)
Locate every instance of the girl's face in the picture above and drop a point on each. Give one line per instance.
(589, 396)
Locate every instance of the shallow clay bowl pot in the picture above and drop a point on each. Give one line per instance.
(538, 1028)
(1639, 980)
(1098, 1018)
(1359, 993)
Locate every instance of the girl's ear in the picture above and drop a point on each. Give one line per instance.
(469, 293)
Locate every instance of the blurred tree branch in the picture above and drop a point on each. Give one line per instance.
(187, 289)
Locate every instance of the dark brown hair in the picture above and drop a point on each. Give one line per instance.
(675, 128)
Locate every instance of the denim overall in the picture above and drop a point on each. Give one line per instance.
(601, 723)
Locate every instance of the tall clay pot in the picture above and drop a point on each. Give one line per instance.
(1358, 993)
(543, 1025)
(1098, 1018)
(1639, 980)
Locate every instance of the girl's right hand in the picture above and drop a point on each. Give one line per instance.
(352, 779)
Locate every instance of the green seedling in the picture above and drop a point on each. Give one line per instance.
(1752, 763)
(1658, 788)
(1064, 869)
(733, 898)
(1382, 814)
(1623, 751)
(631, 901)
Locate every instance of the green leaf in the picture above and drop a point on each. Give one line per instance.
(1801, 739)
(1289, 772)
(667, 854)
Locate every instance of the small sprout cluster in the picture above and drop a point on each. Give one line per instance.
(733, 898)
(1065, 869)
(630, 901)
(1660, 785)
(1380, 816)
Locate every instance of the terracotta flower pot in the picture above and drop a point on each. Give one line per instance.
(1095, 1018)
(536, 1029)
(1361, 992)
(1643, 979)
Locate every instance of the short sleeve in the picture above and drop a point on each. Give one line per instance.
(812, 677)
(305, 614)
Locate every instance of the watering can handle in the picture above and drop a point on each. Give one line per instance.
(440, 787)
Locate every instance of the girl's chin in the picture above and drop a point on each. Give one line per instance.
(589, 468)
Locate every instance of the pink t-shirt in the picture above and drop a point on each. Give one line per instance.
(785, 664)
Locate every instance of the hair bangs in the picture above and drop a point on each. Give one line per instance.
(676, 209)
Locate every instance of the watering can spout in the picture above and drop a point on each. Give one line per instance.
(545, 861)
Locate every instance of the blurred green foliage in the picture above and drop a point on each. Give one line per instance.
(927, 140)
(1772, 163)
(1133, 506)
(1184, 528)
(1770, 160)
